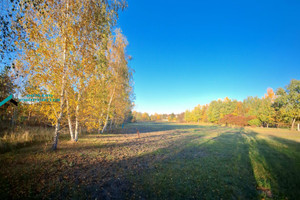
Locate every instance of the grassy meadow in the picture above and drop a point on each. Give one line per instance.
(168, 161)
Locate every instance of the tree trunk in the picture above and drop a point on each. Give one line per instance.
(14, 116)
(57, 125)
(12, 122)
(298, 127)
(110, 126)
(70, 121)
(293, 123)
(29, 115)
(76, 117)
(99, 127)
(104, 127)
(111, 98)
(267, 125)
(76, 129)
(62, 94)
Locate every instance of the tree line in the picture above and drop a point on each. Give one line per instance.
(276, 109)
(72, 50)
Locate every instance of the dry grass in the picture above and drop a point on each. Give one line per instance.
(24, 136)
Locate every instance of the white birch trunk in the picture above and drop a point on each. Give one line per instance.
(70, 121)
(76, 117)
(107, 115)
(57, 126)
(293, 123)
(62, 94)
(99, 127)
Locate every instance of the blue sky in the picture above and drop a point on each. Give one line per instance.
(191, 52)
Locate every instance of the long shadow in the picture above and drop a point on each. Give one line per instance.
(101, 180)
(215, 169)
(79, 178)
(146, 127)
(191, 166)
(121, 144)
(140, 141)
(282, 163)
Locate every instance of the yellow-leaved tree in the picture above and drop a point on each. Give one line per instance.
(60, 51)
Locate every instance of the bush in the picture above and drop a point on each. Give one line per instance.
(254, 122)
(235, 120)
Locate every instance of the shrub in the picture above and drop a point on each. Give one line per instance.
(235, 120)
(254, 122)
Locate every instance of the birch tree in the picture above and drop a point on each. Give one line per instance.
(119, 87)
(61, 43)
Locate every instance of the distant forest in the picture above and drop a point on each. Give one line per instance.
(275, 109)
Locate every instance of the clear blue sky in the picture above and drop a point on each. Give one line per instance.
(191, 52)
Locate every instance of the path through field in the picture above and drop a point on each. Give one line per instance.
(169, 161)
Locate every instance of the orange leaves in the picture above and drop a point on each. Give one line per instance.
(226, 99)
(270, 94)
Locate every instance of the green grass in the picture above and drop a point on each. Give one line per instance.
(169, 161)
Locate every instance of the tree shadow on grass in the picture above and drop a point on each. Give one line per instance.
(149, 139)
(220, 167)
(65, 176)
(217, 168)
(146, 127)
(192, 166)
(279, 159)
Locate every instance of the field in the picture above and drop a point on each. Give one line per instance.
(168, 161)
